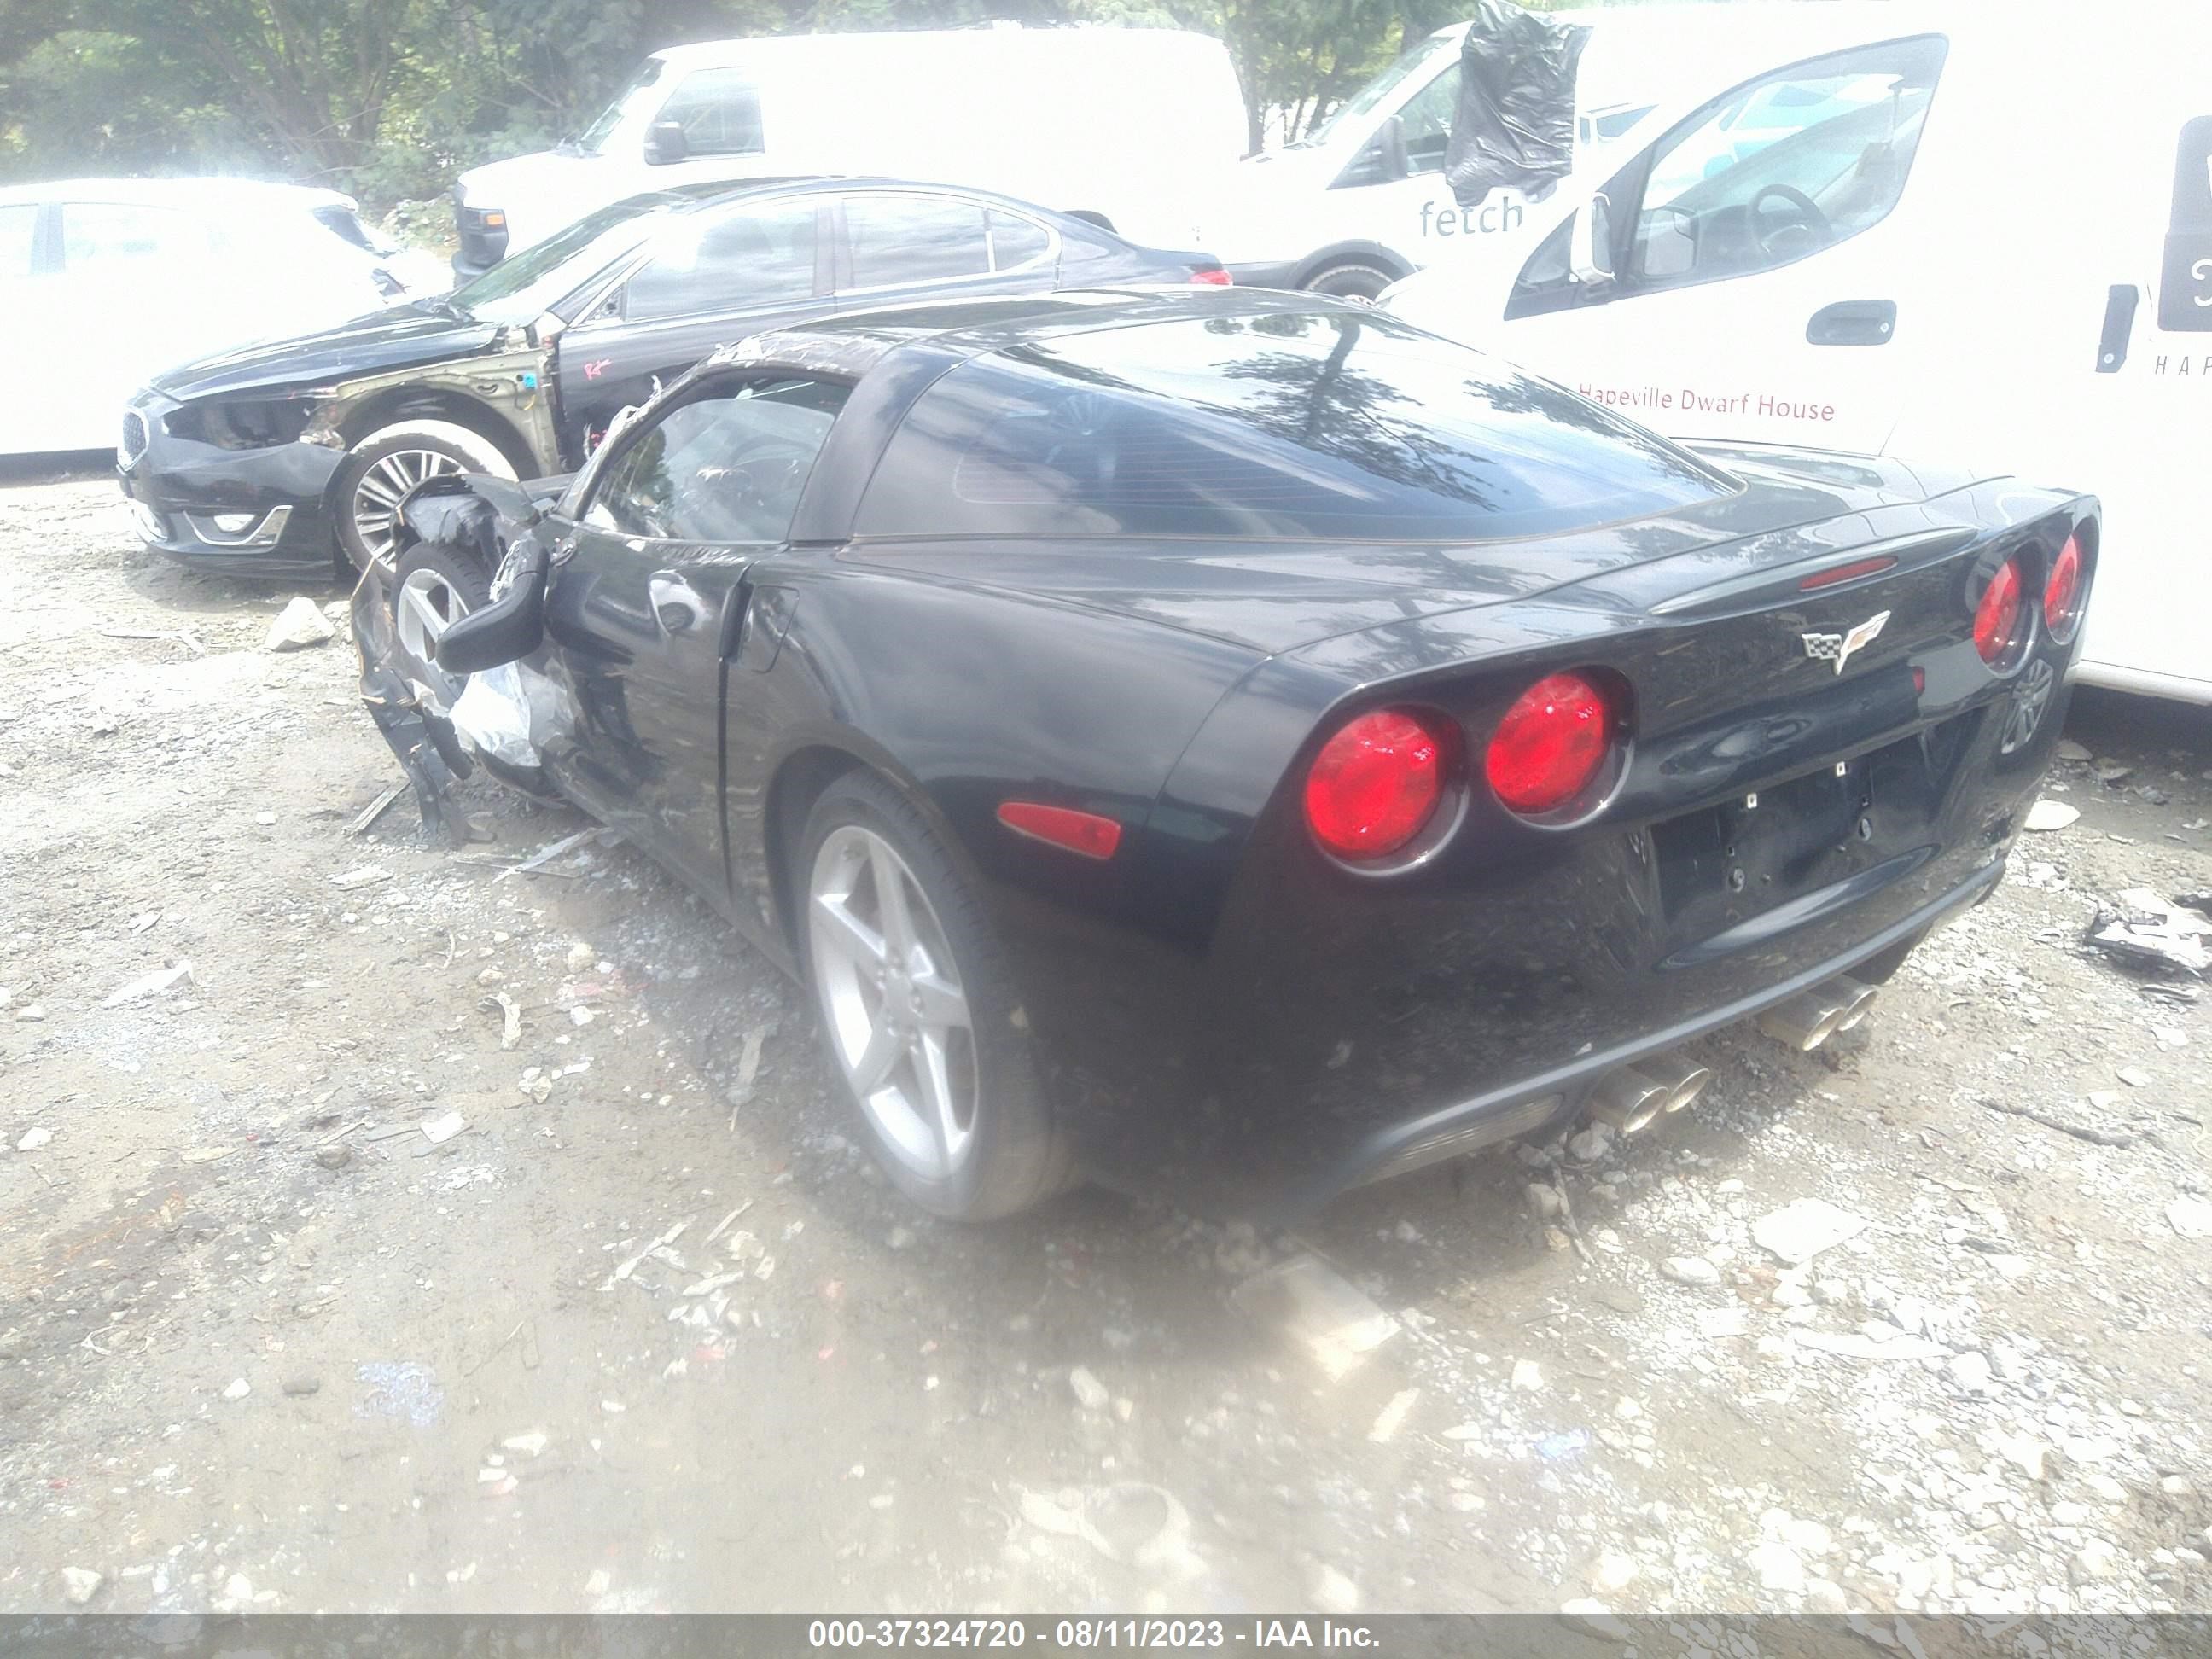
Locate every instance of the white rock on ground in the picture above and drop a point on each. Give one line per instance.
(2190, 1217)
(1094, 1395)
(1800, 1229)
(1691, 1270)
(80, 1585)
(1778, 1568)
(2095, 1560)
(298, 626)
(1333, 1593)
(2046, 815)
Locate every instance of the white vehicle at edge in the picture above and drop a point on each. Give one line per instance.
(1103, 121)
(1939, 271)
(1361, 201)
(104, 283)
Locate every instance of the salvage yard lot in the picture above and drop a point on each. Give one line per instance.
(643, 1331)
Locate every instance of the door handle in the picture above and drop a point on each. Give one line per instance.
(677, 605)
(1853, 322)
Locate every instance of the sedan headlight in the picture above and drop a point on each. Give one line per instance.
(243, 422)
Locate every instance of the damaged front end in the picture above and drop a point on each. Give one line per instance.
(507, 710)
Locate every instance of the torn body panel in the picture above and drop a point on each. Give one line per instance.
(431, 761)
(502, 718)
(512, 380)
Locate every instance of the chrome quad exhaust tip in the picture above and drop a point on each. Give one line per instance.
(1858, 999)
(1627, 1100)
(1810, 1018)
(1685, 1080)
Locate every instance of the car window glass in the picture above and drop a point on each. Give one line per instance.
(728, 261)
(96, 233)
(1426, 122)
(1786, 166)
(19, 225)
(915, 238)
(1285, 428)
(725, 466)
(520, 287)
(1015, 240)
(718, 110)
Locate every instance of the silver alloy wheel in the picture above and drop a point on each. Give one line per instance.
(2031, 697)
(377, 495)
(424, 607)
(890, 994)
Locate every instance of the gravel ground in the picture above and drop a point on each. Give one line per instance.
(316, 1294)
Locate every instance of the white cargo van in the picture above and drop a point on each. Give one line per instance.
(1966, 232)
(1111, 122)
(1361, 200)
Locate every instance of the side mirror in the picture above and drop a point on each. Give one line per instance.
(508, 630)
(1589, 244)
(664, 143)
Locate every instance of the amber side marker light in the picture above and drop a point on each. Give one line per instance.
(1087, 833)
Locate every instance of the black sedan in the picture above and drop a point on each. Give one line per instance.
(250, 460)
(1235, 743)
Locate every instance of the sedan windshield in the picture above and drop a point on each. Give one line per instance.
(537, 280)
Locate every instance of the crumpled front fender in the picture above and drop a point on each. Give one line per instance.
(425, 745)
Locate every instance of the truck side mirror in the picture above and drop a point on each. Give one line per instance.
(664, 143)
(1589, 244)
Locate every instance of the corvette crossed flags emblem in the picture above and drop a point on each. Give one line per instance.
(1838, 647)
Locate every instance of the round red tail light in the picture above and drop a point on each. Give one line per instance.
(1550, 745)
(1996, 619)
(2062, 595)
(1375, 784)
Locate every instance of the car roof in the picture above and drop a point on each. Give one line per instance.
(901, 46)
(852, 342)
(713, 192)
(178, 193)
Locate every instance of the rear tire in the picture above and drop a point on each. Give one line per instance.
(1351, 279)
(383, 466)
(920, 1018)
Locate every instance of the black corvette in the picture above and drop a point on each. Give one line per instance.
(253, 460)
(1237, 744)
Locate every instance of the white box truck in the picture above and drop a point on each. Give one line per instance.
(1362, 200)
(1111, 122)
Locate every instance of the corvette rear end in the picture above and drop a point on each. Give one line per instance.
(1236, 744)
(1525, 854)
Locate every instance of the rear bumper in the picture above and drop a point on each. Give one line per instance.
(1323, 1026)
(1500, 1113)
(176, 487)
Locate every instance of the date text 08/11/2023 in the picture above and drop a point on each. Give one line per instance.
(1080, 1634)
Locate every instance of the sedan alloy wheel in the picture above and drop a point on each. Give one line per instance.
(378, 493)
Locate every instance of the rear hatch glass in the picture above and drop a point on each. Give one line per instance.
(1309, 426)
